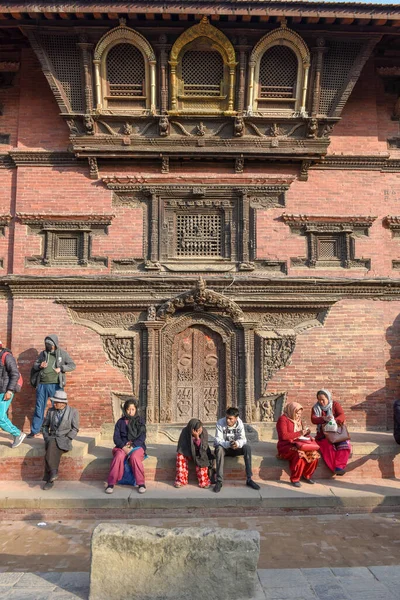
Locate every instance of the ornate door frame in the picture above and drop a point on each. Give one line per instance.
(228, 333)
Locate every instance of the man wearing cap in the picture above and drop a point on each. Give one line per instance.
(60, 427)
(48, 376)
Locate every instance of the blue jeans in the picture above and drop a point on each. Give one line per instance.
(5, 422)
(44, 391)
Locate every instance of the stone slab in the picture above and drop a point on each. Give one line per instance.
(149, 563)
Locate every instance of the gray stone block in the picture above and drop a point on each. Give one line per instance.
(9, 579)
(150, 563)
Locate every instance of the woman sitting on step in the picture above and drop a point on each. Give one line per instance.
(129, 440)
(193, 445)
(337, 455)
(302, 463)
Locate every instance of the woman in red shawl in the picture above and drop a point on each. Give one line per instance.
(289, 428)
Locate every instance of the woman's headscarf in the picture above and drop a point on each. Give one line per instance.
(186, 446)
(327, 410)
(290, 412)
(136, 425)
(319, 410)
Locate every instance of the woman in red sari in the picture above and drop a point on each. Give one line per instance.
(336, 456)
(289, 428)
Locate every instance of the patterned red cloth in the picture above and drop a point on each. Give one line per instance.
(182, 472)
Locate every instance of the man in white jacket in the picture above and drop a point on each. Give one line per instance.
(230, 440)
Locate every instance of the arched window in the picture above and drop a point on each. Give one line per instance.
(279, 66)
(125, 72)
(278, 75)
(202, 72)
(125, 75)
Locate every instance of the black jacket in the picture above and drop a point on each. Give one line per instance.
(9, 373)
(396, 420)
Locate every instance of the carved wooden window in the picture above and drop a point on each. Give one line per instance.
(66, 243)
(68, 247)
(278, 77)
(126, 77)
(203, 66)
(202, 74)
(278, 74)
(331, 241)
(199, 235)
(125, 72)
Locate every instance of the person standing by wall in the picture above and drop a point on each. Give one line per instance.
(48, 376)
(9, 376)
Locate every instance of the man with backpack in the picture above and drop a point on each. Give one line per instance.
(9, 381)
(48, 376)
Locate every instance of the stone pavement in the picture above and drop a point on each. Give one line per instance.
(359, 583)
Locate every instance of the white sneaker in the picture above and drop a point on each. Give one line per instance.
(142, 489)
(18, 439)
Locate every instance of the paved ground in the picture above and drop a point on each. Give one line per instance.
(374, 583)
(286, 541)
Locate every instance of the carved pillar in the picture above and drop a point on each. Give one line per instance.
(245, 209)
(319, 52)
(152, 86)
(85, 49)
(305, 86)
(242, 75)
(151, 368)
(249, 401)
(251, 88)
(231, 96)
(154, 229)
(99, 100)
(163, 75)
(174, 104)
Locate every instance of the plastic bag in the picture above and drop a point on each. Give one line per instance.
(331, 425)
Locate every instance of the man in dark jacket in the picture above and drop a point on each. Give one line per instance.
(48, 376)
(8, 380)
(60, 427)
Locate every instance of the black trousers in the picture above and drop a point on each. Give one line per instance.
(52, 459)
(220, 454)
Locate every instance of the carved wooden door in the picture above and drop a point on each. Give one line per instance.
(197, 375)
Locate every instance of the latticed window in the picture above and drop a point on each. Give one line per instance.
(68, 247)
(337, 66)
(126, 72)
(199, 235)
(202, 73)
(278, 73)
(329, 247)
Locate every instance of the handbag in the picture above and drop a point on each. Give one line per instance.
(306, 445)
(341, 435)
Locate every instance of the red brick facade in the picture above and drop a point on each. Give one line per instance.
(355, 353)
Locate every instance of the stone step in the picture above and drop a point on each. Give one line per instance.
(84, 499)
(374, 455)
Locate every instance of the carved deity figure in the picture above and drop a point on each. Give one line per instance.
(88, 124)
(163, 126)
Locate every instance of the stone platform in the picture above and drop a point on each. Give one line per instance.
(21, 500)
(375, 455)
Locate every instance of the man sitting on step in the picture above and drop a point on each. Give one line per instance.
(60, 427)
(230, 440)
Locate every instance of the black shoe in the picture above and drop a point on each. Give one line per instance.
(53, 477)
(340, 471)
(296, 483)
(48, 485)
(31, 435)
(217, 487)
(308, 480)
(252, 484)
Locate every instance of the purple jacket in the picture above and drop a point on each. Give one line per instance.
(121, 435)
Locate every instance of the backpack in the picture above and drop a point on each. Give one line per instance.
(18, 385)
